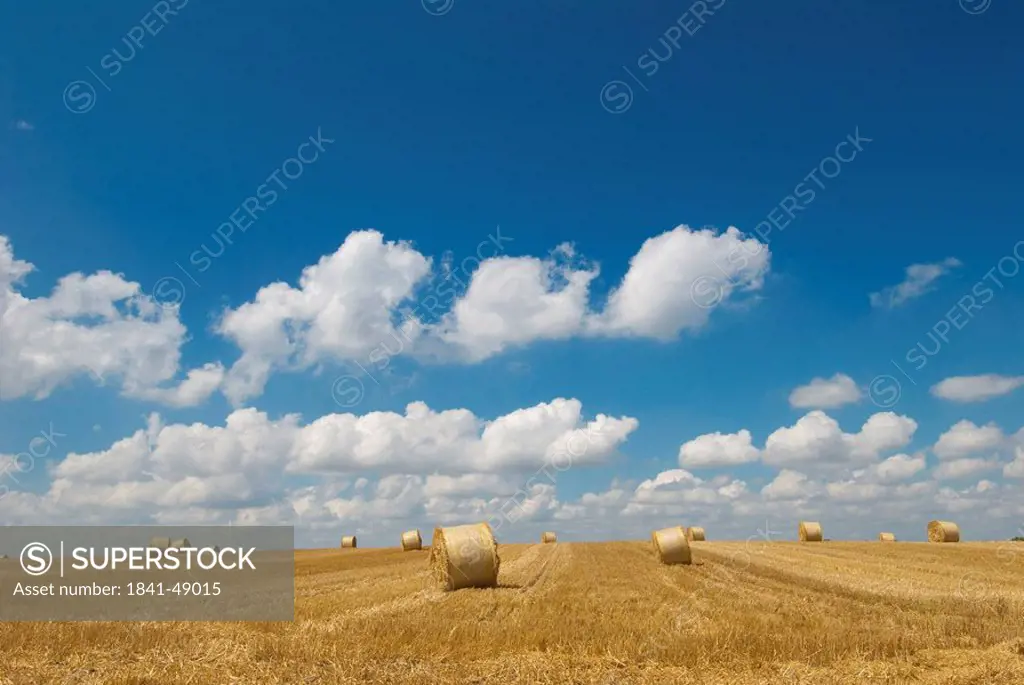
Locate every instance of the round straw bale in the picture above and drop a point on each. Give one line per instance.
(180, 543)
(671, 546)
(943, 531)
(810, 531)
(465, 556)
(411, 540)
(886, 537)
(348, 541)
(695, 534)
(549, 537)
(160, 543)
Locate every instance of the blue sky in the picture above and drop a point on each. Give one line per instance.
(440, 122)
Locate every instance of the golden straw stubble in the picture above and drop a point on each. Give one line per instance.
(671, 546)
(465, 556)
(810, 531)
(943, 531)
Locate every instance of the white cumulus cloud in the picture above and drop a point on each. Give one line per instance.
(98, 326)
(816, 440)
(976, 388)
(343, 308)
(825, 393)
(518, 300)
(355, 304)
(965, 438)
(655, 298)
(791, 485)
(362, 304)
(896, 468)
(717, 449)
(1015, 469)
(445, 465)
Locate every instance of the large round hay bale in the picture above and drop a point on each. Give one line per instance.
(160, 543)
(695, 534)
(349, 541)
(180, 543)
(411, 540)
(548, 537)
(810, 531)
(465, 556)
(886, 537)
(671, 546)
(943, 531)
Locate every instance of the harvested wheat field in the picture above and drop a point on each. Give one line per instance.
(600, 613)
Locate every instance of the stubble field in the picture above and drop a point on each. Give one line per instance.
(602, 613)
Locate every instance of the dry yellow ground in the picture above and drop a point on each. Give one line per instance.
(601, 613)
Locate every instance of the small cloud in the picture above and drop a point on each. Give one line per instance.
(920, 279)
(22, 125)
(825, 393)
(976, 388)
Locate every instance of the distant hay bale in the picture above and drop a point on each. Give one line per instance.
(695, 534)
(349, 541)
(886, 537)
(465, 556)
(943, 531)
(411, 540)
(810, 531)
(180, 543)
(548, 537)
(671, 546)
(160, 543)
